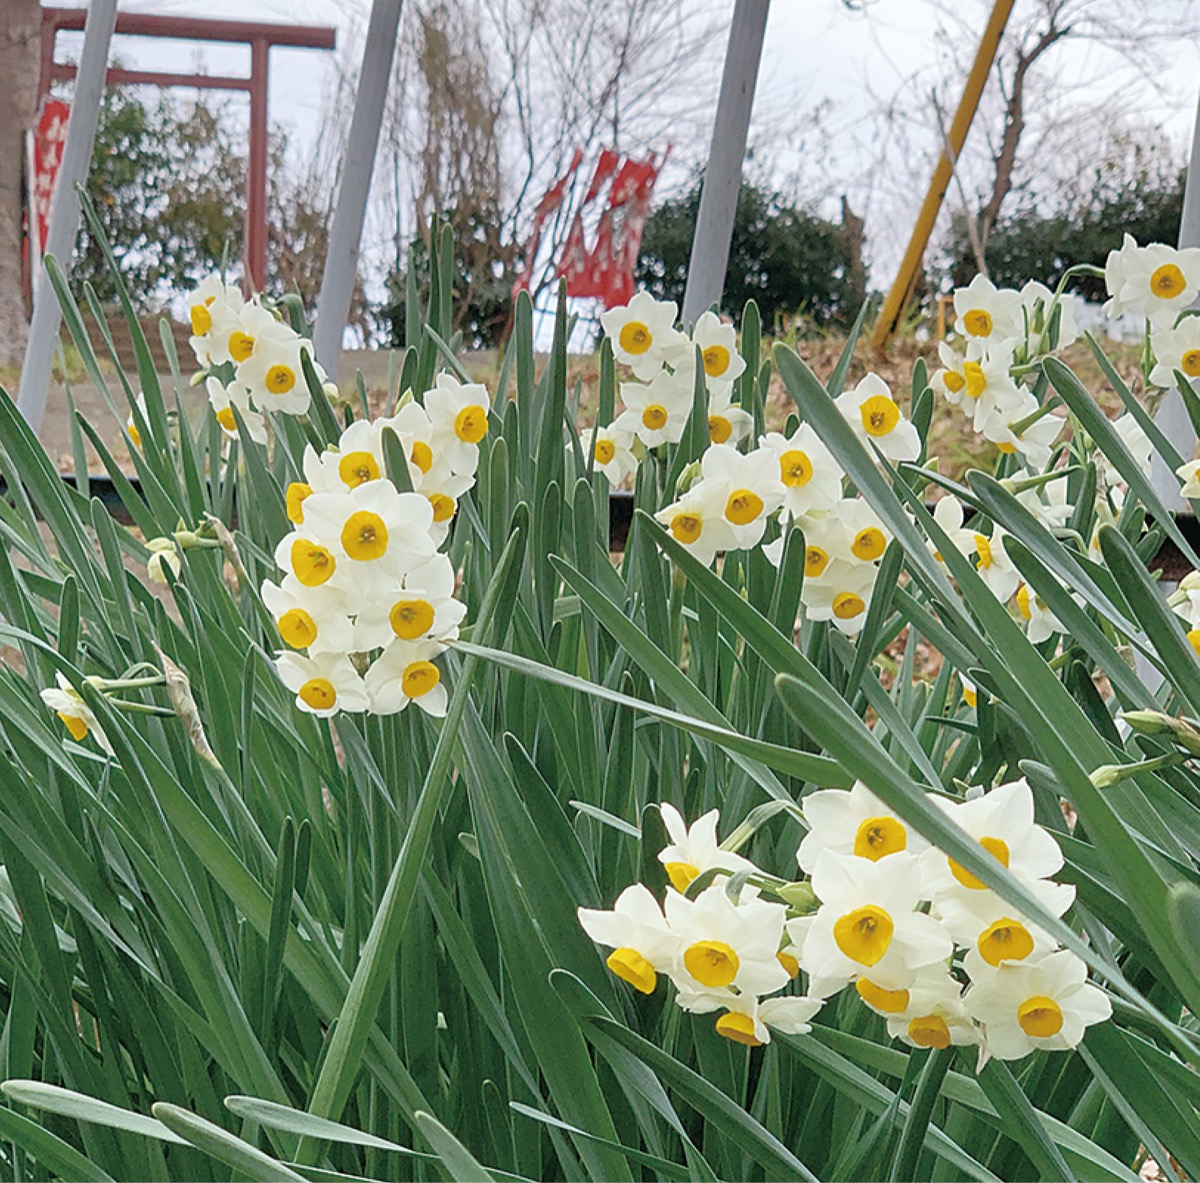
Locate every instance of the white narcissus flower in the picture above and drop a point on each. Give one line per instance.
(443, 497)
(727, 424)
(1046, 1004)
(697, 521)
(1189, 473)
(375, 533)
(1137, 444)
(611, 453)
(876, 418)
(854, 823)
(750, 491)
(1001, 821)
(459, 414)
(358, 457)
(404, 672)
(303, 555)
(1176, 349)
(323, 684)
(827, 541)
(948, 513)
(428, 459)
(643, 333)
(694, 849)
(988, 389)
(77, 717)
(131, 426)
(636, 930)
(950, 381)
(726, 945)
(868, 923)
(970, 692)
(1035, 443)
(749, 1020)
(224, 398)
(274, 373)
(424, 607)
(979, 383)
(1185, 600)
(935, 1015)
(1040, 623)
(995, 568)
(718, 352)
(993, 932)
(658, 412)
(1049, 504)
(320, 476)
(1157, 281)
(212, 294)
(988, 314)
(864, 528)
(889, 993)
(811, 478)
(237, 328)
(842, 594)
(312, 618)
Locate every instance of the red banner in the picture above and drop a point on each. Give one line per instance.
(606, 271)
(49, 138)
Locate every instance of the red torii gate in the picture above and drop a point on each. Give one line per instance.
(259, 36)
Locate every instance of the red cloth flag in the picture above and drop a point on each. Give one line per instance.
(605, 167)
(49, 139)
(573, 266)
(550, 201)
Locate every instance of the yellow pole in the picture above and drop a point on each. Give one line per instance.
(889, 315)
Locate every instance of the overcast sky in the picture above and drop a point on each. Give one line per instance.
(817, 52)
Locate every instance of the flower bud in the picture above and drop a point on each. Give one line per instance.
(1180, 731)
(159, 561)
(687, 478)
(799, 896)
(1107, 775)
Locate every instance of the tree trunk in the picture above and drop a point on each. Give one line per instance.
(20, 30)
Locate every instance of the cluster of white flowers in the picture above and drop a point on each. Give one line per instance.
(1000, 326)
(249, 358)
(1161, 283)
(366, 593)
(723, 950)
(925, 944)
(656, 408)
(733, 495)
(1002, 329)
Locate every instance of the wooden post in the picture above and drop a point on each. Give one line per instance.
(893, 306)
(256, 171)
(723, 174)
(345, 235)
(64, 210)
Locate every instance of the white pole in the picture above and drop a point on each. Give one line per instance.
(1172, 415)
(64, 208)
(341, 258)
(723, 174)
(34, 238)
